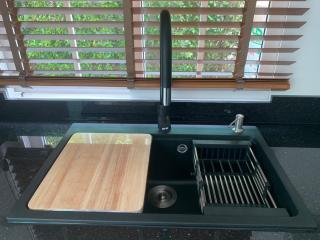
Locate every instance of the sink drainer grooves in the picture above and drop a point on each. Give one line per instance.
(229, 174)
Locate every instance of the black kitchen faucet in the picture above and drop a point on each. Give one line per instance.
(164, 124)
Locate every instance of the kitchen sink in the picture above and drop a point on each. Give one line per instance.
(171, 165)
(200, 177)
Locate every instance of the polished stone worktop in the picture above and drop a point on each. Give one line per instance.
(300, 164)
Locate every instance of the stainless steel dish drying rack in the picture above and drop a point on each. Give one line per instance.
(229, 175)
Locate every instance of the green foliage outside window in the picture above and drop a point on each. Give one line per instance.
(62, 54)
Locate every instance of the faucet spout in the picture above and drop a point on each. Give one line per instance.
(164, 124)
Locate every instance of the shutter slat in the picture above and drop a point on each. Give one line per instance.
(221, 37)
(75, 49)
(222, 11)
(73, 37)
(41, 72)
(265, 50)
(153, 61)
(156, 50)
(68, 10)
(6, 60)
(77, 24)
(221, 24)
(108, 61)
(215, 0)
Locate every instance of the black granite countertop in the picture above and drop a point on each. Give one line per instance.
(296, 146)
(276, 135)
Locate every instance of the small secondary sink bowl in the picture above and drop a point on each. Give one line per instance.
(172, 168)
(172, 164)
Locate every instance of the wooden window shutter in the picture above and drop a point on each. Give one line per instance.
(216, 44)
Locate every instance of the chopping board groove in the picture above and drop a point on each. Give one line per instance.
(100, 172)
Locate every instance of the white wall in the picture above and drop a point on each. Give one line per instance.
(305, 80)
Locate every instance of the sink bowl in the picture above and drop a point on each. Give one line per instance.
(171, 165)
(183, 192)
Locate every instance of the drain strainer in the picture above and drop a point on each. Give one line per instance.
(162, 196)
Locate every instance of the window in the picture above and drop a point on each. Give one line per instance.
(216, 44)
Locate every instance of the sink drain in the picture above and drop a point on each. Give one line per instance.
(162, 196)
(182, 148)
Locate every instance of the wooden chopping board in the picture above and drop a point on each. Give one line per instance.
(101, 172)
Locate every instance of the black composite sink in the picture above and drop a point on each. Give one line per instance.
(173, 168)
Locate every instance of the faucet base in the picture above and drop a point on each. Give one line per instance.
(164, 124)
